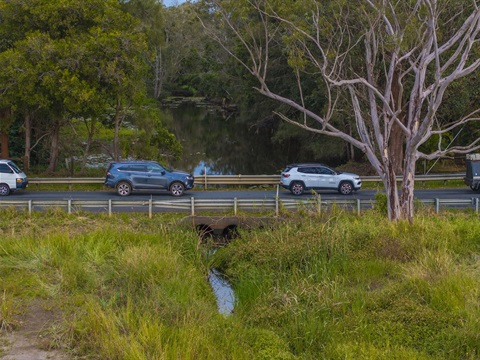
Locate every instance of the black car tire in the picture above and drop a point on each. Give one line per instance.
(124, 188)
(177, 188)
(297, 188)
(345, 188)
(4, 190)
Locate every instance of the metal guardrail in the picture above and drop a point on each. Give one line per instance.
(207, 180)
(193, 206)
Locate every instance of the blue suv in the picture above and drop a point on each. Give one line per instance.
(128, 176)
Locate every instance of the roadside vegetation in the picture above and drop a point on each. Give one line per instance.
(333, 285)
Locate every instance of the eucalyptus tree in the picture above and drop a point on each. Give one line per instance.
(71, 59)
(392, 62)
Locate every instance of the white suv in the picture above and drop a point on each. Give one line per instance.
(11, 177)
(300, 177)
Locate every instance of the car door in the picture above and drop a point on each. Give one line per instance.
(139, 176)
(328, 178)
(157, 176)
(309, 177)
(7, 176)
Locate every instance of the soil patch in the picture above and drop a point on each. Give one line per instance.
(35, 335)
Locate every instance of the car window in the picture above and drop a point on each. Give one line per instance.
(5, 169)
(15, 167)
(139, 168)
(307, 170)
(133, 167)
(326, 171)
(155, 168)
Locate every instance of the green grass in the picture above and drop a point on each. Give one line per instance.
(319, 286)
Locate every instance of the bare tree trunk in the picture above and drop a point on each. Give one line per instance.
(54, 147)
(5, 117)
(159, 74)
(408, 185)
(91, 131)
(397, 136)
(116, 141)
(391, 189)
(4, 143)
(27, 124)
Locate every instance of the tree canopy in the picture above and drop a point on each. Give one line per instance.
(389, 63)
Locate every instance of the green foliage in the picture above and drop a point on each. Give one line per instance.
(361, 287)
(381, 203)
(331, 285)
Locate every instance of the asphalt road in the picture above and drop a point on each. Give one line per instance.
(462, 193)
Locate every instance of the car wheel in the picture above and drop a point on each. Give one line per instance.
(177, 189)
(473, 187)
(124, 188)
(346, 188)
(4, 190)
(297, 188)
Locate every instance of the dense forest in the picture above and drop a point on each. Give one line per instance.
(86, 78)
(90, 78)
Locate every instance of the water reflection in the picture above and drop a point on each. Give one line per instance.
(220, 144)
(223, 292)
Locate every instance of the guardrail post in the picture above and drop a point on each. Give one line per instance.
(205, 172)
(476, 205)
(110, 207)
(437, 205)
(69, 206)
(359, 206)
(235, 206)
(277, 208)
(150, 207)
(30, 207)
(192, 205)
(319, 204)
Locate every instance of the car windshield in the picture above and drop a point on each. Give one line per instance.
(15, 167)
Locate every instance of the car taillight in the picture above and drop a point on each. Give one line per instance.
(108, 173)
(286, 175)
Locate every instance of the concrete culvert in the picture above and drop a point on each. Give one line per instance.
(204, 231)
(230, 232)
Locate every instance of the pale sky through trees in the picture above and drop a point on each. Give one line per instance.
(172, 2)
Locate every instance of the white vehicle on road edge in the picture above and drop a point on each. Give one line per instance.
(11, 177)
(300, 177)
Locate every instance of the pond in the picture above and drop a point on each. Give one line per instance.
(220, 144)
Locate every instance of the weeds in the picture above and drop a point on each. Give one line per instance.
(8, 312)
(328, 285)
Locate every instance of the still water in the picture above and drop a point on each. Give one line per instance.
(223, 145)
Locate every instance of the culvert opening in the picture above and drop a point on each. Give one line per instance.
(230, 232)
(204, 231)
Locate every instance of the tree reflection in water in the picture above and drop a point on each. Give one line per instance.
(223, 145)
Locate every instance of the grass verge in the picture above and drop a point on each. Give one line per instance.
(331, 285)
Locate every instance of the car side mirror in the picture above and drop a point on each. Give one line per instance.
(163, 172)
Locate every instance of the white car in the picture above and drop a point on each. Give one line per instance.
(300, 177)
(11, 177)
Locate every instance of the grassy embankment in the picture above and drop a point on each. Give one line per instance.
(332, 286)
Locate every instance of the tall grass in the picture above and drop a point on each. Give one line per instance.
(349, 287)
(320, 286)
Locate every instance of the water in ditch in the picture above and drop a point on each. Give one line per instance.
(223, 292)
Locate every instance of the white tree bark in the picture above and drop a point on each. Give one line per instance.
(403, 78)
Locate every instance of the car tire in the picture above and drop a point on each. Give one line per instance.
(345, 188)
(4, 190)
(297, 188)
(124, 188)
(177, 188)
